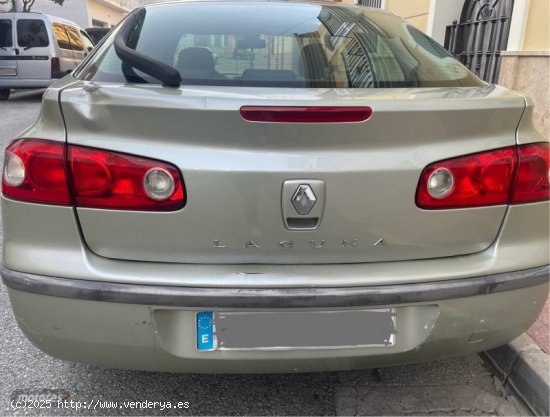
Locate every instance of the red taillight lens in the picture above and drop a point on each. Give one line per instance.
(503, 176)
(102, 179)
(533, 179)
(292, 114)
(55, 65)
(34, 171)
(37, 171)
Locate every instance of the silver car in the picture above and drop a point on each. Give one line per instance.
(345, 196)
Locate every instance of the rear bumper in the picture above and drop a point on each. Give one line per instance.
(273, 298)
(153, 327)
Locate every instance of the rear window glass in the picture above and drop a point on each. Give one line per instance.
(75, 39)
(6, 33)
(61, 36)
(31, 33)
(283, 45)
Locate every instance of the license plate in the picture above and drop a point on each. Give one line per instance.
(295, 330)
(8, 71)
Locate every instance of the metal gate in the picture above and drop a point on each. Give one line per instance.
(480, 36)
(371, 3)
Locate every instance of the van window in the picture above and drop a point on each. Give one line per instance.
(61, 36)
(75, 39)
(31, 33)
(6, 37)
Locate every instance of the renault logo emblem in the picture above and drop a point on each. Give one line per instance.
(304, 199)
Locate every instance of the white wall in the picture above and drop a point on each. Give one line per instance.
(441, 14)
(75, 10)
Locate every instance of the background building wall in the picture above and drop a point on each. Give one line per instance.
(105, 12)
(414, 11)
(441, 14)
(74, 10)
(537, 30)
(529, 72)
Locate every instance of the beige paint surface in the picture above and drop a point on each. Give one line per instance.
(416, 12)
(104, 13)
(537, 31)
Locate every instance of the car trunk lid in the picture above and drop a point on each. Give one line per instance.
(364, 175)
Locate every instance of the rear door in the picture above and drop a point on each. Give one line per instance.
(77, 45)
(66, 57)
(34, 47)
(8, 62)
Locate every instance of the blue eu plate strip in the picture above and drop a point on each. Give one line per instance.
(205, 330)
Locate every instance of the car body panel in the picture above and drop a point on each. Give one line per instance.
(56, 248)
(156, 338)
(234, 172)
(244, 165)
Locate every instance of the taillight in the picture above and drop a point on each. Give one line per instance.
(503, 176)
(102, 179)
(34, 171)
(49, 172)
(306, 114)
(55, 65)
(533, 179)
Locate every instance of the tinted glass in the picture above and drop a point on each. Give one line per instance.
(88, 44)
(6, 33)
(61, 36)
(74, 39)
(31, 33)
(284, 44)
(96, 34)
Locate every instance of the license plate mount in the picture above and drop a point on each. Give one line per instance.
(295, 330)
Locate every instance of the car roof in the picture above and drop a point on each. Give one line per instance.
(48, 17)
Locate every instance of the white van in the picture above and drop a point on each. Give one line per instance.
(36, 49)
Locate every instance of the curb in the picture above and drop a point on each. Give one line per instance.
(525, 368)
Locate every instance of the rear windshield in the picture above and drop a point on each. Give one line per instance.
(31, 33)
(283, 45)
(6, 33)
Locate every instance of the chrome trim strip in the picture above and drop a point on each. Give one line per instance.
(276, 297)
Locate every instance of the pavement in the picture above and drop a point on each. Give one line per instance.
(523, 365)
(459, 386)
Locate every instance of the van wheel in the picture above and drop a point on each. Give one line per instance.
(4, 93)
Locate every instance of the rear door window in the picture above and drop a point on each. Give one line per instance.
(32, 33)
(61, 36)
(6, 33)
(75, 39)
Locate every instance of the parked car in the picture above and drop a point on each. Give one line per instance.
(36, 49)
(365, 204)
(96, 34)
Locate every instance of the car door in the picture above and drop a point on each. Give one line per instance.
(34, 49)
(8, 62)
